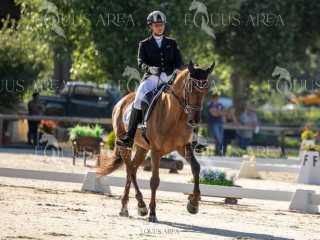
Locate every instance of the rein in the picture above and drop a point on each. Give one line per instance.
(188, 85)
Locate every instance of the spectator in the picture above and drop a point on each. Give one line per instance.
(34, 108)
(229, 134)
(249, 119)
(215, 122)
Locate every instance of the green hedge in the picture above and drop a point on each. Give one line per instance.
(85, 131)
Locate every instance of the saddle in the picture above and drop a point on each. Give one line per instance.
(150, 101)
(152, 97)
(148, 104)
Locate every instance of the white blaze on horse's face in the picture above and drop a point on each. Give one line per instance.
(197, 86)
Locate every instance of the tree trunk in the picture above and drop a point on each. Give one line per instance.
(1, 132)
(62, 67)
(240, 91)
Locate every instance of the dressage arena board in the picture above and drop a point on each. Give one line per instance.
(275, 161)
(268, 165)
(301, 200)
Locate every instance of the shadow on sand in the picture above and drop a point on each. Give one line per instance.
(221, 232)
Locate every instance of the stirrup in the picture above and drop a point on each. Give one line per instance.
(198, 147)
(125, 142)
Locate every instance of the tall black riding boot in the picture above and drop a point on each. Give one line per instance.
(135, 119)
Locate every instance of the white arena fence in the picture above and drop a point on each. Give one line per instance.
(301, 200)
(262, 164)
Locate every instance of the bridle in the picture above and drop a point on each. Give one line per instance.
(199, 84)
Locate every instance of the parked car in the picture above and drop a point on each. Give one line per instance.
(79, 99)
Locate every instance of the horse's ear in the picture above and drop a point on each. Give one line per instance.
(210, 69)
(190, 66)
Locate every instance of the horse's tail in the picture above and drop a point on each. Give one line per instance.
(109, 164)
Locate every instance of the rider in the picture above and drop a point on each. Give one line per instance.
(158, 56)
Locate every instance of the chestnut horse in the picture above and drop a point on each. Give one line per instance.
(169, 128)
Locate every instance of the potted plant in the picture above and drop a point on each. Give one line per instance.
(215, 177)
(308, 143)
(311, 148)
(308, 137)
(48, 126)
(110, 140)
(86, 139)
(218, 177)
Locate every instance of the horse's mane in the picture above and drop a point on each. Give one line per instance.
(182, 75)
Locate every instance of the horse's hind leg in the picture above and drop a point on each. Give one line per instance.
(138, 158)
(154, 184)
(187, 153)
(125, 155)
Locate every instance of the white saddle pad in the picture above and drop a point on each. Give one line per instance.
(126, 114)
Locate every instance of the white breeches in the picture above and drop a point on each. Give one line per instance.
(149, 84)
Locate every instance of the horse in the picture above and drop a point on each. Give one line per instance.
(179, 109)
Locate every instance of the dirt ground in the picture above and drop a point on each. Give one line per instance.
(33, 209)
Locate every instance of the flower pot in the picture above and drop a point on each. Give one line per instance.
(307, 142)
(86, 144)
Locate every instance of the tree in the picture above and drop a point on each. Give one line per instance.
(20, 64)
(59, 27)
(118, 26)
(270, 33)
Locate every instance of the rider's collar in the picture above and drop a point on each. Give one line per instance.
(159, 38)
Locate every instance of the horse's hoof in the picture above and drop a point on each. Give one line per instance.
(232, 201)
(192, 209)
(153, 218)
(142, 211)
(124, 212)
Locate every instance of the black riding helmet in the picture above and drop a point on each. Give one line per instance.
(156, 16)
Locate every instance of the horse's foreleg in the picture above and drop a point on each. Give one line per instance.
(187, 153)
(154, 184)
(136, 162)
(125, 155)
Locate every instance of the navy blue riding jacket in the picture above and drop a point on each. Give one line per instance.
(167, 57)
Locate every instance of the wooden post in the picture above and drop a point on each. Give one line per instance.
(282, 143)
(166, 163)
(1, 132)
